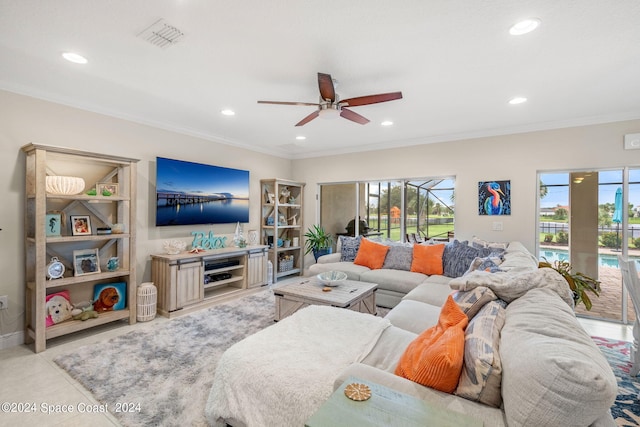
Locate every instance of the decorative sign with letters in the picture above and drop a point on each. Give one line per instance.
(200, 240)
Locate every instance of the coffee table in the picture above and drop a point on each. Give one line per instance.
(349, 294)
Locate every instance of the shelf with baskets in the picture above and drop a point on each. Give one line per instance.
(77, 244)
(282, 224)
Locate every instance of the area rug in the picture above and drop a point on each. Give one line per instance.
(626, 410)
(167, 368)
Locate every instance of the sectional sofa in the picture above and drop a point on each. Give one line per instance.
(526, 360)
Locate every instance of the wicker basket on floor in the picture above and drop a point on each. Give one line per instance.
(147, 302)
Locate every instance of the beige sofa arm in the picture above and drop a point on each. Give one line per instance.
(329, 258)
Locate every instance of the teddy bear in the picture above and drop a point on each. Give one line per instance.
(84, 311)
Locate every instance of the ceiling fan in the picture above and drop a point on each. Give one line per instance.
(330, 104)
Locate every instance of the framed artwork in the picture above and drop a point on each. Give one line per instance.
(52, 224)
(80, 225)
(85, 261)
(109, 296)
(106, 189)
(494, 198)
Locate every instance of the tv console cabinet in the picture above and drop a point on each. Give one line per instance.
(188, 281)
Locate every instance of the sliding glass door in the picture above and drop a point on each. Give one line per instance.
(580, 222)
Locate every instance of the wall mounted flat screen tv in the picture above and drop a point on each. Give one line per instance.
(193, 193)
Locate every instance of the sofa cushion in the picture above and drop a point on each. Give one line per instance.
(472, 301)
(349, 247)
(371, 254)
(427, 259)
(414, 316)
(398, 258)
(434, 358)
(393, 280)
(481, 375)
(431, 291)
(553, 373)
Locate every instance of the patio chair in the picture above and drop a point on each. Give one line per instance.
(632, 283)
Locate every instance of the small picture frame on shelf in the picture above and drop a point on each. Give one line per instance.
(80, 225)
(109, 296)
(52, 224)
(86, 261)
(107, 189)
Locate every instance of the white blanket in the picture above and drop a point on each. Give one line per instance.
(282, 374)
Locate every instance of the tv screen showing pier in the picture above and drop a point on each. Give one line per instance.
(190, 193)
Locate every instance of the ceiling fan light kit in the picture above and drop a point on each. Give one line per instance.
(330, 105)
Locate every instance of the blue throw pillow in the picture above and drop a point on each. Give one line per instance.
(349, 248)
(457, 258)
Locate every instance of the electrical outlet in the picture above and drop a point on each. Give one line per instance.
(4, 302)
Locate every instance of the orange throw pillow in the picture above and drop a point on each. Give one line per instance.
(427, 259)
(434, 359)
(371, 254)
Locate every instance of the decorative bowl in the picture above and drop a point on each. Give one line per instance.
(56, 184)
(174, 247)
(332, 278)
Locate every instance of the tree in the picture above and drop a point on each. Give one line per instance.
(560, 213)
(544, 190)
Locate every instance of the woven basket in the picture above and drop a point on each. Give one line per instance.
(147, 301)
(285, 265)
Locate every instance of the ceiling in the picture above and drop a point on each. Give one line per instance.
(454, 61)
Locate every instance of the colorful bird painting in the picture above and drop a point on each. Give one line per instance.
(492, 199)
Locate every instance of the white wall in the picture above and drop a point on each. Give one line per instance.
(511, 157)
(24, 120)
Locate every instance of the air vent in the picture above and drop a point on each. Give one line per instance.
(161, 34)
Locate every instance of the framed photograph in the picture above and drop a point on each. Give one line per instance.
(109, 296)
(85, 261)
(106, 189)
(52, 224)
(80, 225)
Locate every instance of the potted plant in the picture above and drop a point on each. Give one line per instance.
(318, 241)
(578, 282)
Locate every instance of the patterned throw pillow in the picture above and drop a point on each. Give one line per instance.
(349, 247)
(434, 359)
(481, 377)
(472, 301)
(398, 258)
(457, 257)
(490, 264)
(479, 244)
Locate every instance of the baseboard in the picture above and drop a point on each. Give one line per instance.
(13, 339)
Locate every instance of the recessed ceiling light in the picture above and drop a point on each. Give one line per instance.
(74, 57)
(517, 100)
(301, 138)
(228, 112)
(387, 123)
(524, 27)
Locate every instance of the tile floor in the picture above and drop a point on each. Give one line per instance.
(35, 380)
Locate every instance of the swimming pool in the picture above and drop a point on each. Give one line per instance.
(606, 260)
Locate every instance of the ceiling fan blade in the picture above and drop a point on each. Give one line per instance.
(315, 104)
(308, 118)
(371, 99)
(325, 83)
(353, 116)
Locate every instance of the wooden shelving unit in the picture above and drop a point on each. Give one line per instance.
(282, 222)
(104, 211)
